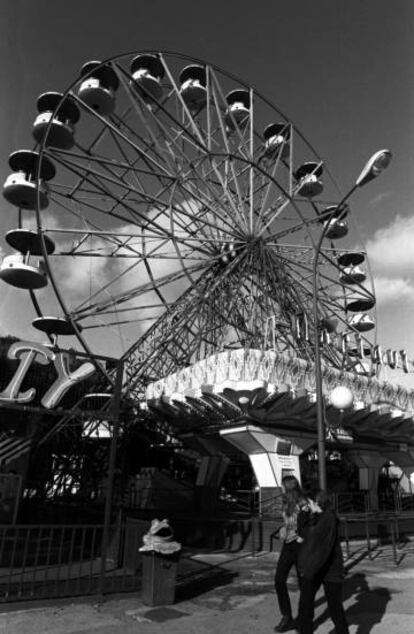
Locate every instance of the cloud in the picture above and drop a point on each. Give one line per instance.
(389, 290)
(124, 263)
(380, 198)
(391, 251)
(391, 257)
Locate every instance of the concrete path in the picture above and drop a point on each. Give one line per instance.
(236, 596)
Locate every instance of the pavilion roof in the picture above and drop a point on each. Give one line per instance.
(277, 392)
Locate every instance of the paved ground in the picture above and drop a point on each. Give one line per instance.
(234, 594)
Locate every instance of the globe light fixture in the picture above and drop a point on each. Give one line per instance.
(341, 397)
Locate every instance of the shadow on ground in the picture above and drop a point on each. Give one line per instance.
(199, 577)
(368, 607)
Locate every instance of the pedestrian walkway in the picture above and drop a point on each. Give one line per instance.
(233, 593)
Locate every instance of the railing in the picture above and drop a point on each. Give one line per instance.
(159, 498)
(254, 502)
(240, 500)
(406, 502)
(351, 502)
(270, 504)
(396, 502)
(380, 529)
(49, 561)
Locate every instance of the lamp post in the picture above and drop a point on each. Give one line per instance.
(374, 166)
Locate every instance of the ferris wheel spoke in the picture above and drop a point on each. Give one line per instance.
(228, 194)
(192, 230)
(123, 137)
(101, 177)
(215, 187)
(146, 118)
(263, 214)
(114, 300)
(92, 230)
(147, 350)
(99, 182)
(276, 236)
(218, 96)
(136, 173)
(149, 147)
(117, 278)
(251, 170)
(85, 203)
(228, 162)
(194, 128)
(213, 217)
(123, 203)
(154, 115)
(88, 307)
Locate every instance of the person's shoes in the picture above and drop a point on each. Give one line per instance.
(286, 624)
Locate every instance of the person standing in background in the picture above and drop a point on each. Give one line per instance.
(295, 512)
(320, 562)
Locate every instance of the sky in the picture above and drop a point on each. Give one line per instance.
(341, 70)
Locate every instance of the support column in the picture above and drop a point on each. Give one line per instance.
(272, 457)
(212, 467)
(369, 464)
(209, 476)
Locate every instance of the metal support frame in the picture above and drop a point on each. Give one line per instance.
(116, 402)
(320, 404)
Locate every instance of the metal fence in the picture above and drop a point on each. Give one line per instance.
(261, 502)
(39, 561)
(351, 502)
(65, 560)
(397, 501)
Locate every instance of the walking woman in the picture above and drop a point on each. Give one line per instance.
(320, 562)
(295, 512)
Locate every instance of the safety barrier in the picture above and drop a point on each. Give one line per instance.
(49, 561)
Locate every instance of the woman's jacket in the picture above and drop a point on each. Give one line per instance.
(320, 554)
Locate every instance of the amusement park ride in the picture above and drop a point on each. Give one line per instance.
(168, 214)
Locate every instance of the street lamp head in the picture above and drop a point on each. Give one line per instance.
(374, 166)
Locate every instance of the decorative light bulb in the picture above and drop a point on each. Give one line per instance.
(341, 397)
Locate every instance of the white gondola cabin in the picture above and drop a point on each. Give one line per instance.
(334, 221)
(99, 87)
(20, 270)
(308, 178)
(193, 86)
(238, 109)
(362, 322)
(352, 275)
(55, 326)
(147, 73)
(56, 119)
(360, 303)
(22, 188)
(351, 258)
(17, 271)
(276, 136)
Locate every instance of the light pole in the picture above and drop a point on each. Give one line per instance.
(374, 166)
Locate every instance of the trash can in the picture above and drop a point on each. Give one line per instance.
(160, 555)
(159, 574)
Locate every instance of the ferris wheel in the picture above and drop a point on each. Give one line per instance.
(175, 212)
